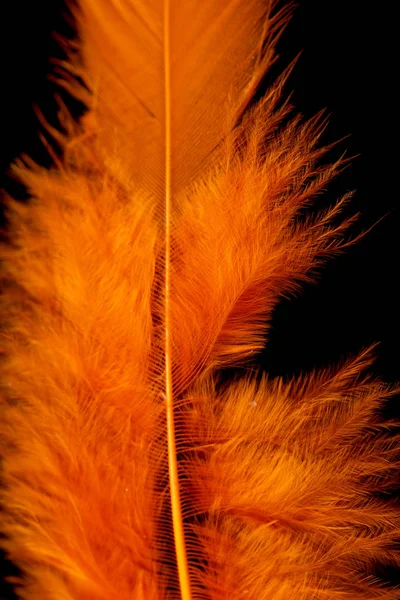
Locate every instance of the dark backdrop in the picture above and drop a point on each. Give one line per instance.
(349, 67)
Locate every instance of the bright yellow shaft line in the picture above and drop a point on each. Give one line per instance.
(179, 534)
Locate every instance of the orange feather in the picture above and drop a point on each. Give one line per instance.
(149, 257)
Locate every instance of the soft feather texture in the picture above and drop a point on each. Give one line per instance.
(148, 258)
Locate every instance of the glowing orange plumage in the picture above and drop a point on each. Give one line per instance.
(148, 258)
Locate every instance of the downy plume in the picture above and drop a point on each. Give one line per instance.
(151, 256)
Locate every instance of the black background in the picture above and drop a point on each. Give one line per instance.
(348, 66)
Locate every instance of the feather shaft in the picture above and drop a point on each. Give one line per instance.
(179, 535)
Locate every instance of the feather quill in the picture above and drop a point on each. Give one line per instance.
(150, 256)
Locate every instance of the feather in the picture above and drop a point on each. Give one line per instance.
(151, 256)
